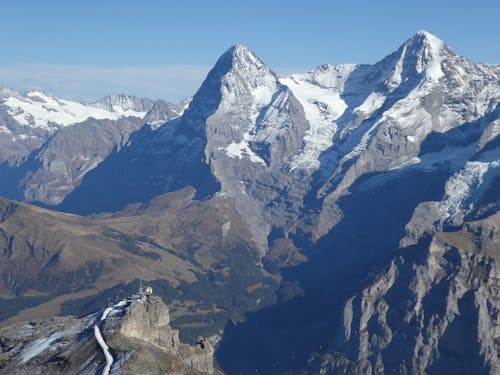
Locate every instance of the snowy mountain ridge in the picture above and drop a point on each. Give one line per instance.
(51, 143)
(287, 148)
(310, 135)
(38, 109)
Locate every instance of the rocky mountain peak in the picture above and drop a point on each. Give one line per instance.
(424, 42)
(247, 79)
(6, 92)
(238, 79)
(240, 60)
(419, 57)
(124, 102)
(37, 94)
(424, 52)
(239, 52)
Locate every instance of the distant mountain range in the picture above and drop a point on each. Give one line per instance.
(335, 177)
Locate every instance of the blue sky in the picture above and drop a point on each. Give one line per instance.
(87, 49)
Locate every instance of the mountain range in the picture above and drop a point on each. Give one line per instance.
(345, 198)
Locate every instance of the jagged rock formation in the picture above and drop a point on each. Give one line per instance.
(433, 310)
(137, 332)
(148, 321)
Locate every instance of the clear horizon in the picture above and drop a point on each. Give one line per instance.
(156, 49)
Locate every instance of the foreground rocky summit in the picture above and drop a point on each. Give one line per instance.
(136, 330)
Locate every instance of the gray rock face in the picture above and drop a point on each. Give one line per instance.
(138, 334)
(145, 326)
(431, 311)
(258, 126)
(62, 162)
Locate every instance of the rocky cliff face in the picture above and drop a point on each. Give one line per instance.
(145, 326)
(434, 309)
(137, 332)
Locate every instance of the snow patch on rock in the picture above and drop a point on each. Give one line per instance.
(322, 106)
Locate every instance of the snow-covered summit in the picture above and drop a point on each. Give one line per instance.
(428, 50)
(38, 109)
(241, 79)
(239, 52)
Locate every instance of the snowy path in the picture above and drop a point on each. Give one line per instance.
(100, 339)
(105, 349)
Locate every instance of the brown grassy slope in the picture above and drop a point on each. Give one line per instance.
(49, 253)
(201, 230)
(70, 259)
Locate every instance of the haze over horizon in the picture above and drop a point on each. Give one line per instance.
(90, 50)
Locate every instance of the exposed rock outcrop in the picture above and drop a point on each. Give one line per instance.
(145, 326)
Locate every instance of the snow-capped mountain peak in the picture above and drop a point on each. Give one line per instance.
(241, 53)
(123, 102)
(6, 92)
(243, 77)
(427, 52)
(40, 94)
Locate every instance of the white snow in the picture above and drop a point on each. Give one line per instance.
(41, 110)
(113, 309)
(106, 312)
(51, 342)
(240, 149)
(322, 106)
(39, 346)
(262, 95)
(225, 227)
(395, 79)
(431, 55)
(97, 333)
(434, 70)
(4, 129)
(362, 145)
(331, 76)
(105, 349)
(373, 102)
(463, 185)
